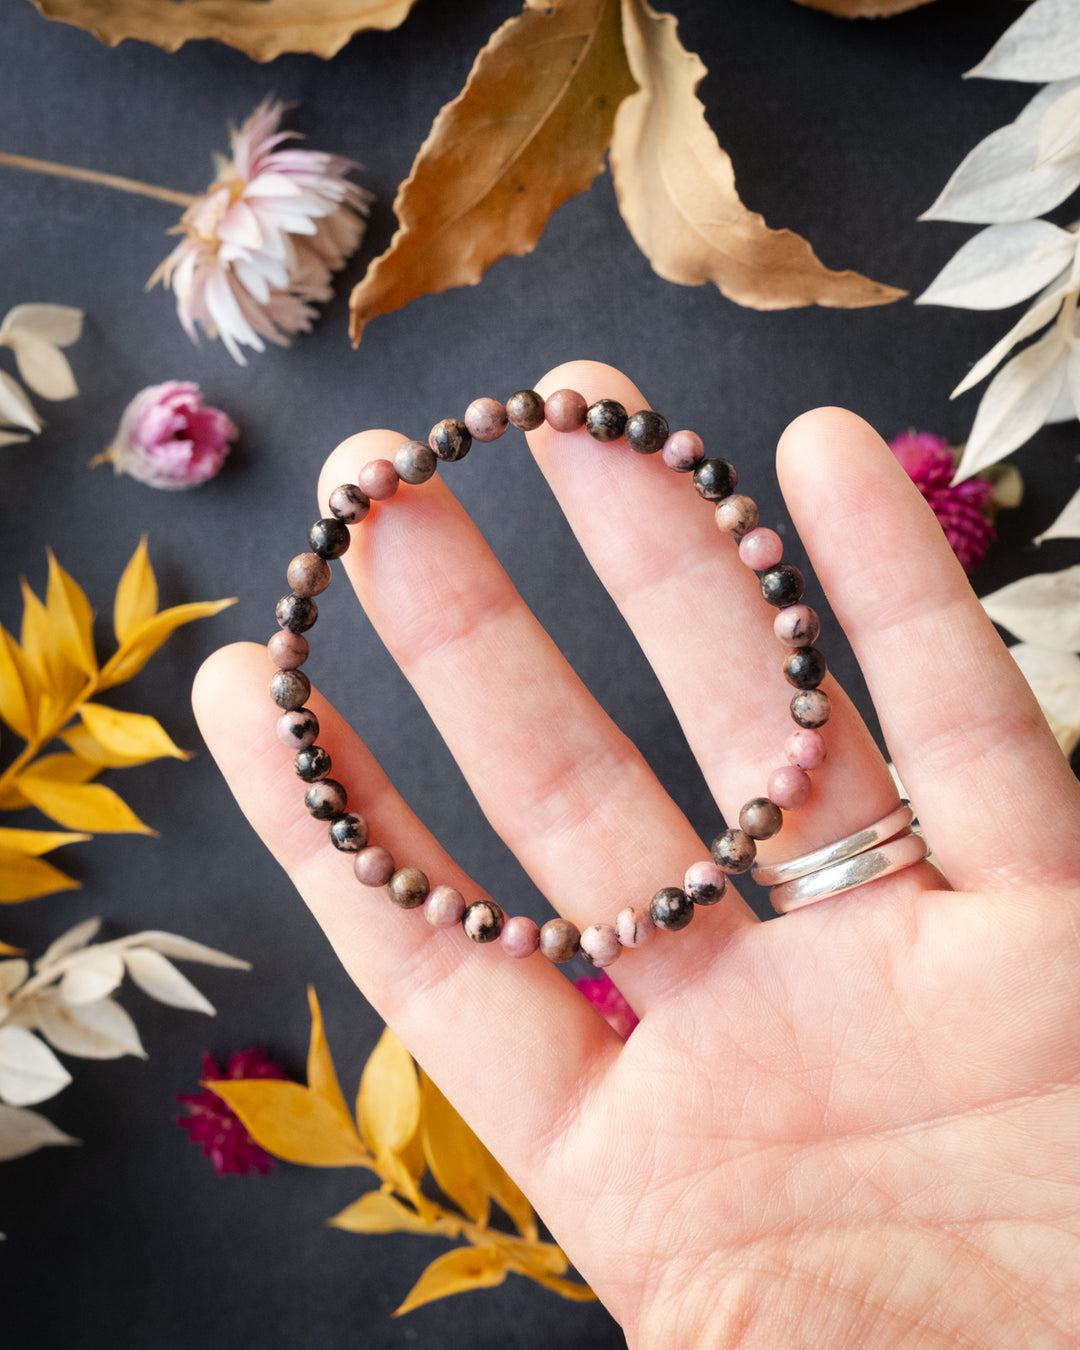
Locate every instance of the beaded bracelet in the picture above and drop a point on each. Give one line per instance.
(796, 625)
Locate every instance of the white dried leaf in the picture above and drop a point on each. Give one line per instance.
(1055, 680)
(1034, 318)
(1067, 525)
(1016, 404)
(94, 973)
(1043, 44)
(12, 437)
(23, 1132)
(12, 974)
(67, 942)
(1064, 409)
(183, 949)
(60, 325)
(16, 410)
(1059, 130)
(1002, 265)
(101, 1030)
(161, 980)
(29, 1071)
(45, 369)
(1043, 609)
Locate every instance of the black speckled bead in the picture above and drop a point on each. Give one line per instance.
(450, 439)
(297, 613)
(761, 818)
(560, 940)
(525, 409)
(414, 461)
(782, 585)
(715, 479)
(811, 708)
(408, 888)
(289, 688)
(483, 921)
(804, 667)
(605, 420)
(329, 538)
(349, 504)
(326, 799)
(646, 432)
(312, 764)
(347, 832)
(734, 851)
(671, 908)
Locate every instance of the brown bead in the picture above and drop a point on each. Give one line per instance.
(560, 940)
(414, 461)
(565, 410)
(289, 688)
(525, 409)
(760, 818)
(485, 419)
(734, 851)
(378, 479)
(646, 431)
(408, 888)
(295, 612)
(308, 574)
(737, 514)
(605, 420)
(450, 439)
(287, 649)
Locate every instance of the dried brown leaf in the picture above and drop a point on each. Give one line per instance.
(863, 9)
(262, 30)
(676, 189)
(528, 130)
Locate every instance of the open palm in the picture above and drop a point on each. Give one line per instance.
(857, 1126)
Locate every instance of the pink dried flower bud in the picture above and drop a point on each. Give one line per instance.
(169, 439)
(215, 1126)
(961, 508)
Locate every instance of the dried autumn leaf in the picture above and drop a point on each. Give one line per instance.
(16, 410)
(33, 843)
(522, 136)
(94, 974)
(29, 1071)
(20, 688)
(863, 9)
(676, 189)
(1043, 609)
(453, 1153)
(1055, 680)
(157, 976)
(143, 640)
(70, 613)
(36, 332)
(82, 806)
(455, 1272)
(25, 878)
(136, 594)
(293, 1123)
(1067, 525)
(388, 1104)
(100, 1029)
(321, 1074)
(43, 643)
(381, 1212)
(1042, 45)
(263, 30)
(23, 1131)
(134, 737)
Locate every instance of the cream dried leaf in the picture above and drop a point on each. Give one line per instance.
(101, 1030)
(15, 408)
(1067, 525)
(29, 1071)
(1055, 681)
(59, 325)
(1043, 609)
(184, 949)
(161, 980)
(12, 974)
(91, 974)
(23, 1131)
(1059, 130)
(12, 437)
(1042, 45)
(68, 942)
(1034, 318)
(1003, 265)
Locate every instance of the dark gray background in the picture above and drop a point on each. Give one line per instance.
(842, 131)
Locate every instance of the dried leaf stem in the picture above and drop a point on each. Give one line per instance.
(109, 180)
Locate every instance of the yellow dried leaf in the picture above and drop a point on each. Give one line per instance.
(388, 1105)
(293, 1123)
(35, 842)
(453, 1152)
(145, 638)
(380, 1212)
(863, 9)
(262, 30)
(455, 1272)
(82, 806)
(572, 1289)
(20, 688)
(676, 189)
(135, 737)
(42, 642)
(7, 950)
(136, 594)
(528, 130)
(321, 1074)
(70, 613)
(60, 768)
(79, 740)
(24, 878)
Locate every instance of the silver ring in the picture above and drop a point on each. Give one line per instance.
(887, 828)
(898, 853)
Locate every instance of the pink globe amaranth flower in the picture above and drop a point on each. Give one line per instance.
(960, 508)
(261, 243)
(603, 994)
(169, 439)
(216, 1128)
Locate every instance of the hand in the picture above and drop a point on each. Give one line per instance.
(854, 1126)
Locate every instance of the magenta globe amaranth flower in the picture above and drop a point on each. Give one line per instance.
(215, 1126)
(961, 507)
(169, 438)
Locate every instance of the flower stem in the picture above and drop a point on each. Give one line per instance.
(110, 180)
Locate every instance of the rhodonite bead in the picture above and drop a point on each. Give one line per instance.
(308, 574)
(760, 549)
(646, 431)
(560, 940)
(634, 925)
(450, 439)
(414, 462)
(289, 688)
(297, 613)
(734, 850)
(789, 788)
(483, 921)
(326, 799)
(705, 883)
(737, 515)
(715, 479)
(485, 419)
(378, 480)
(313, 763)
(408, 888)
(565, 410)
(374, 866)
(804, 667)
(298, 728)
(444, 907)
(520, 937)
(525, 409)
(760, 818)
(600, 945)
(683, 451)
(798, 625)
(811, 708)
(349, 504)
(605, 420)
(671, 909)
(805, 749)
(348, 832)
(288, 650)
(329, 538)
(782, 585)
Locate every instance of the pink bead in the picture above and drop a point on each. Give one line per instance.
(600, 945)
(485, 419)
(378, 480)
(565, 410)
(298, 728)
(444, 907)
(797, 625)
(789, 788)
(520, 937)
(288, 650)
(683, 451)
(705, 883)
(760, 549)
(805, 749)
(634, 925)
(374, 866)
